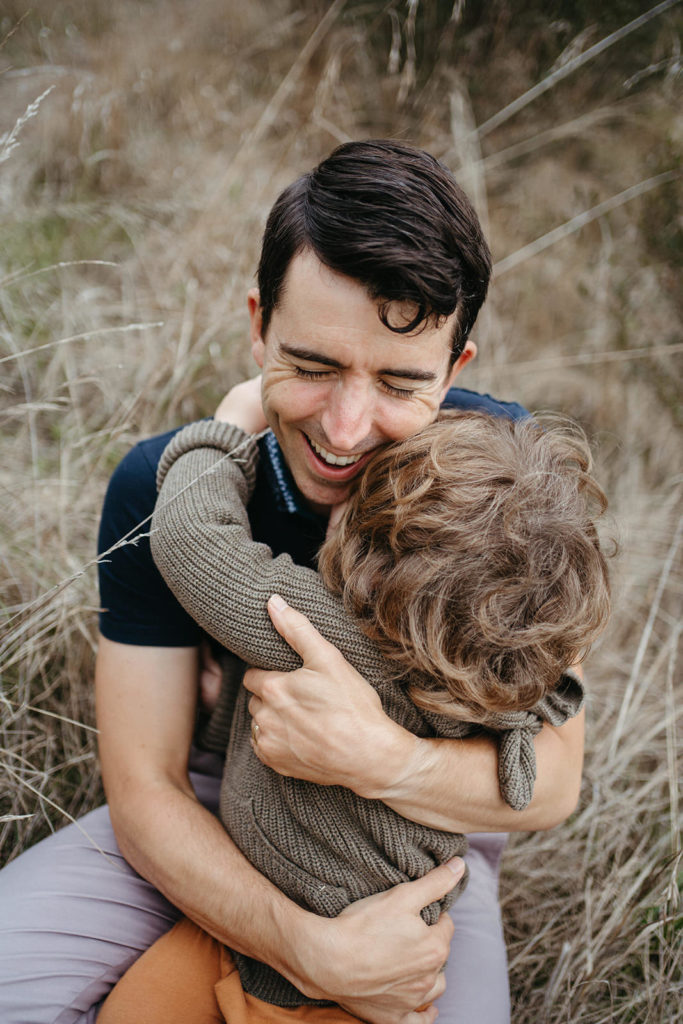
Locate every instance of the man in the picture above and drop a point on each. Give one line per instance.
(372, 272)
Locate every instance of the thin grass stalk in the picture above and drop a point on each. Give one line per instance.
(539, 245)
(95, 333)
(645, 640)
(572, 65)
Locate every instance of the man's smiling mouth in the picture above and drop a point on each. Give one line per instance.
(330, 458)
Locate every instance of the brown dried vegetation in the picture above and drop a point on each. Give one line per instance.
(131, 204)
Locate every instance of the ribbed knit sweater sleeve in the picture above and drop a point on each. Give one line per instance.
(221, 576)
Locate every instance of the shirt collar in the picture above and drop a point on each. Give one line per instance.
(287, 494)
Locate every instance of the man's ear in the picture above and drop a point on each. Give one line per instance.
(255, 324)
(466, 356)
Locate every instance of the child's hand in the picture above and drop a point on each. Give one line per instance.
(210, 678)
(336, 513)
(242, 407)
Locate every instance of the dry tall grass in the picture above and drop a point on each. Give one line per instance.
(131, 204)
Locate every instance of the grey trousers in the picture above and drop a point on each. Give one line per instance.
(72, 921)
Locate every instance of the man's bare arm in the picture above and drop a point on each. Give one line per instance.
(145, 708)
(454, 783)
(445, 783)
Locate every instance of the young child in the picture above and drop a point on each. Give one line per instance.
(464, 578)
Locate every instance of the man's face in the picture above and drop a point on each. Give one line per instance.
(337, 383)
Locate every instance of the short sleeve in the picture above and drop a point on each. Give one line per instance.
(462, 398)
(136, 605)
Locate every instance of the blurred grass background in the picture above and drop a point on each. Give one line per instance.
(132, 199)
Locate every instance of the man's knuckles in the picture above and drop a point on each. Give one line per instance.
(273, 688)
(267, 688)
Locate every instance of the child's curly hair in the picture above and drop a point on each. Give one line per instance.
(469, 554)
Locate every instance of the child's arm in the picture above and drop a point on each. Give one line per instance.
(224, 578)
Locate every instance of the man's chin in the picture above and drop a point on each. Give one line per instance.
(321, 499)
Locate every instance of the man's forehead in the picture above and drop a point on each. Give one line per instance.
(331, 319)
(306, 271)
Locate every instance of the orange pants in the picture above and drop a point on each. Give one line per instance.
(187, 977)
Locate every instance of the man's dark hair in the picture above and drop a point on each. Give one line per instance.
(392, 218)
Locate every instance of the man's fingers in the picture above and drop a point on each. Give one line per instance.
(255, 704)
(437, 990)
(253, 681)
(444, 929)
(300, 634)
(434, 885)
(427, 1016)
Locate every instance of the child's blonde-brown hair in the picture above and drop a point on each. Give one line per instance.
(469, 554)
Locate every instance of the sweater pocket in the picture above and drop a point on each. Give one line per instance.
(295, 881)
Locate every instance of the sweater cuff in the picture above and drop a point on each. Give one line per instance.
(565, 701)
(516, 752)
(224, 437)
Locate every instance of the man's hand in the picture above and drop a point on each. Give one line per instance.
(242, 407)
(322, 722)
(385, 963)
(145, 712)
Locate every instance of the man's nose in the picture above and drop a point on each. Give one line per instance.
(347, 417)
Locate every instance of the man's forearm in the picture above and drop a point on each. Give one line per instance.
(378, 958)
(182, 849)
(145, 712)
(449, 784)
(453, 784)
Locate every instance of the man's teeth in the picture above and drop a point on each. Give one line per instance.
(334, 460)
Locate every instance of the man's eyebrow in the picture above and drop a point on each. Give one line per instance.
(426, 375)
(310, 356)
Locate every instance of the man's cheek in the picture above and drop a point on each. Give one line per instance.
(405, 423)
(295, 400)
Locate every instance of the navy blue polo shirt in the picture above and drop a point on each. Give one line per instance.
(137, 606)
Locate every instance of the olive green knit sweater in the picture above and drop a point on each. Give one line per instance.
(323, 846)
